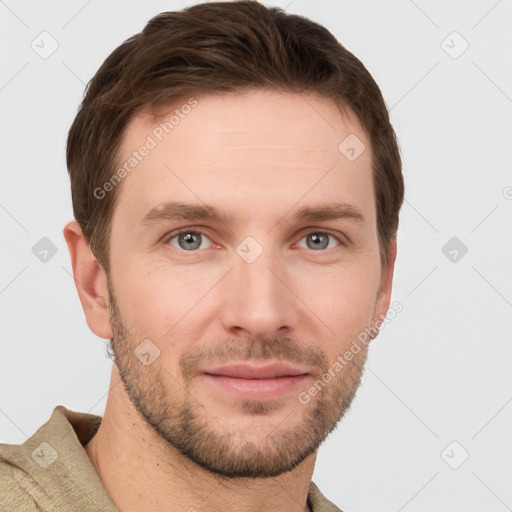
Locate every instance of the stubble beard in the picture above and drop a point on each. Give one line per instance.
(187, 425)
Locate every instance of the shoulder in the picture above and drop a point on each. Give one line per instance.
(318, 502)
(25, 483)
(18, 488)
(51, 470)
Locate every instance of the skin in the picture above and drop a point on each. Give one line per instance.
(258, 156)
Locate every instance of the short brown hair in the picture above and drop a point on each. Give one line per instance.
(221, 47)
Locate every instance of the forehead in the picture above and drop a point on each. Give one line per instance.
(247, 153)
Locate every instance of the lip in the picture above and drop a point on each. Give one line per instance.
(247, 371)
(250, 382)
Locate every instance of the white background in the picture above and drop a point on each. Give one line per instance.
(439, 372)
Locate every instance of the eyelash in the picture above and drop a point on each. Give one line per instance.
(170, 236)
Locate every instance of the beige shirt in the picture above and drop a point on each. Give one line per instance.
(51, 471)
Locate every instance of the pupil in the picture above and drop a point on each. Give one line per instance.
(191, 240)
(319, 241)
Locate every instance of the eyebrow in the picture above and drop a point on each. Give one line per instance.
(175, 210)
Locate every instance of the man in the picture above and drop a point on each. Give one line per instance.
(236, 187)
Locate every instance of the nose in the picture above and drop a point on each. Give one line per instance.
(259, 300)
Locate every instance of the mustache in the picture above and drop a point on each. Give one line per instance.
(280, 349)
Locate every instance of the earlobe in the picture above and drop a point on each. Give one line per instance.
(90, 281)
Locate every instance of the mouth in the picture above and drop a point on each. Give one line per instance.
(250, 382)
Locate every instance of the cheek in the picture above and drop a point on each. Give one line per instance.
(344, 301)
(170, 304)
(157, 300)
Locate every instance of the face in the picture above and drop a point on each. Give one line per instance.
(244, 262)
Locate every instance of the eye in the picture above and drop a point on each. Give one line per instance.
(319, 240)
(188, 240)
(192, 240)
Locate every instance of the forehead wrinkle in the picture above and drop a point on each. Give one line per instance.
(266, 146)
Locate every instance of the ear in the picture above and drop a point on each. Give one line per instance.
(386, 283)
(90, 281)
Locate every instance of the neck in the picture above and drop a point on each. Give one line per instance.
(142, 471)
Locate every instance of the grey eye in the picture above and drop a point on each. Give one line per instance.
(317, 241)
(188, 240)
